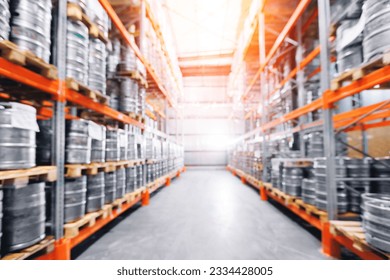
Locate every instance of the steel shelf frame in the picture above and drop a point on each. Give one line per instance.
(362, 118)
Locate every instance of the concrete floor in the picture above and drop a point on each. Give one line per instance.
(205, 214)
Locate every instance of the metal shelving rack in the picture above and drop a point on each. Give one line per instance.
(57, 92)
(362, 118)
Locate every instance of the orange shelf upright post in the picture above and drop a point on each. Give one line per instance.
(330, 247)
(263, 194)
(145, 198)
(168, 182)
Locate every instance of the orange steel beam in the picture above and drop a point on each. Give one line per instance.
(88, 103)
(129, 40)
(29, 78)
(369, 81)
(311, 19)
(205, 57)
(295, 71)
(349, 244)
(206, 71)
(282, 36)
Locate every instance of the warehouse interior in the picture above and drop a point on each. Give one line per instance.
(194, 130)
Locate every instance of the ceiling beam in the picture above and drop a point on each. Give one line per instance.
(206, 71)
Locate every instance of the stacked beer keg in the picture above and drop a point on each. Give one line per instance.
(120, 182)
(112, 145)
(95, 192)
(110, 187)
(78, 142)
(18, 127)
(77, 46)
(31, 26)
(5, 16)
(358, 169)
(376, 220)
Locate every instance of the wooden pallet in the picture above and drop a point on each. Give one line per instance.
(73, 229)
(298, 163)
(344, 77)
(135, 75)
(288, 199)
(40, 173)
(361, 71)
(14, 54)
(44, 247)
(353, 231)
(84, 90)
(78, 170)
(74, 12)
(310, 209)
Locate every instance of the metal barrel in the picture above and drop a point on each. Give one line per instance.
(120, 182)
(381, 171)
(131, 147)
(110, 187)
(131, 179)
(97, 65)
(141, 100)
(292, 180)
(75, 198)
(122, 144)
(140, 178)
(98, 147)
(128, 59)
(17, 138)
(77, 41)
(377, 28)
(23, 216)
(31, 26)
(350, 56)
(113, 57)
(309, 191)
(376, 223)
(113, 91)
(128, 95)
(95, 192)
(78, 142)
(112, 145)
(5, 16)
(44, 140)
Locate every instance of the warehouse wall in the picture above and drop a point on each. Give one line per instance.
(205, 123)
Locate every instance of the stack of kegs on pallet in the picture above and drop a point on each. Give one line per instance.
(113, 91)
(44, 139)
(4, 21)
(75, 198)
(131, 144)
(113, 57)
(77, 46)
(23, 203)
(377, 28)
(31, 26)
(277, 168)
(131, 179)
(120, 182)
(309, 187)
(122, 134)
(78, 142)
(23, 215)
(349, 50)
(376, 220)
(320, 167)
(95, 192)
(18, 127)
(98, 146)
(97, 65)
(149, 173)
(357, 169)
(315, 144)
(140, 176)
(110, 188)
(312, 93)
(128, 96)
(112, 145)
(381, 169)
(292, 179)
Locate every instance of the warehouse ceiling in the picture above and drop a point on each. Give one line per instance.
(205, 28)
